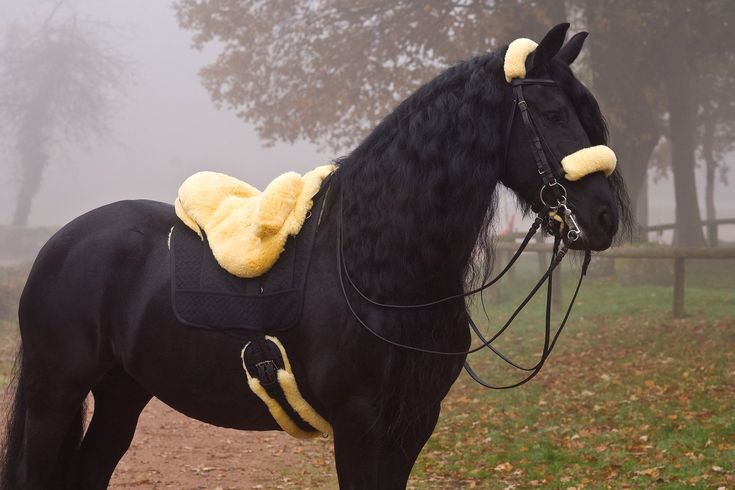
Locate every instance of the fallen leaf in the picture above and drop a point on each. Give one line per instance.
(650, 472)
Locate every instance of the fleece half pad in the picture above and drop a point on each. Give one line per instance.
(245, 228)
(204, 295)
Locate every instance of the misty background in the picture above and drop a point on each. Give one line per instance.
(161, 124)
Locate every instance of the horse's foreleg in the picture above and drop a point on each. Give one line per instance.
(369, 458)
(118, 401)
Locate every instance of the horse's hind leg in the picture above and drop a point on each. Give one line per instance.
(118, 401)
(52, 430)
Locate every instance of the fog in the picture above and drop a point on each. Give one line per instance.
(164, 127)
(107, 100)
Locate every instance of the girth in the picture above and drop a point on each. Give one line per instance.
(270, 378)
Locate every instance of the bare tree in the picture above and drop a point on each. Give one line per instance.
(665, 69)
(717, 139)
(327, 71)
(57, 81)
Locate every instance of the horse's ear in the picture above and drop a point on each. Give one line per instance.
(550, 45)
(569, 52)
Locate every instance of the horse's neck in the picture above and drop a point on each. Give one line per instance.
(413, 242)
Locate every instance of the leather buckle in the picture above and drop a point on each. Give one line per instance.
(267, 372)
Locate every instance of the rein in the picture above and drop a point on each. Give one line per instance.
(549, 344)
(558, 193)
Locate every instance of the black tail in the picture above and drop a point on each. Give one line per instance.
(14, 428)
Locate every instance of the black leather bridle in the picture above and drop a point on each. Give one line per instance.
(557, 201)
(548, 175)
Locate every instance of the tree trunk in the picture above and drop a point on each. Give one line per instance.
(641, 212)
(634, 154)
(634, 129)
(33, 161)
(709, 189)
(688, 231)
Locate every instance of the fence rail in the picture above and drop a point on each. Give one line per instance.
(672, 226)
(678, 254)
(645, 229)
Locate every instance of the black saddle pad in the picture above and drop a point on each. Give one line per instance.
(204, 295)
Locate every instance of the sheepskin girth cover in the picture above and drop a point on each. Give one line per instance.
(247, 229)
(281, 395)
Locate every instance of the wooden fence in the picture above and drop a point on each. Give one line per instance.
(672, 226)
(647, 229)
(712, 229)
(677, 254)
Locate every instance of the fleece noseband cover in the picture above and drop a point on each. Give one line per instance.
(583, 162)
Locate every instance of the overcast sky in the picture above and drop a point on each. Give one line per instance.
(166, 128)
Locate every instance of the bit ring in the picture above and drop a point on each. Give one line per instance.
(560, 201)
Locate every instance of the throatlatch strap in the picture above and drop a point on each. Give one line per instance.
(270, 378)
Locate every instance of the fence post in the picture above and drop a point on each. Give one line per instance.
(543, 262)
(678, 287)
(512, 271)
(556, 296)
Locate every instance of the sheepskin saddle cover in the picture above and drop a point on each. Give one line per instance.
(205, 295)
(245, 228)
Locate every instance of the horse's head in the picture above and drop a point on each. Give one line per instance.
(555, 153)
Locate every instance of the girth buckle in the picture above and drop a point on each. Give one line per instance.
(267, 372)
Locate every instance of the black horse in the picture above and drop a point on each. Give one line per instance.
(417, 196)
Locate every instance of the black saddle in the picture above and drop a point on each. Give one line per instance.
(204, 295)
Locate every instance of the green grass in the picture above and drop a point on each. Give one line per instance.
(631, 398)
(11, 284)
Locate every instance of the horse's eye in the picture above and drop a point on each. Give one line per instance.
(556, 117)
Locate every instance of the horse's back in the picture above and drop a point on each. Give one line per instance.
(107, 229)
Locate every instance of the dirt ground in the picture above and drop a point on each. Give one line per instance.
(173, 451)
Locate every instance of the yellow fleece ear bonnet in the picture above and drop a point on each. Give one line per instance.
(583, 162)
